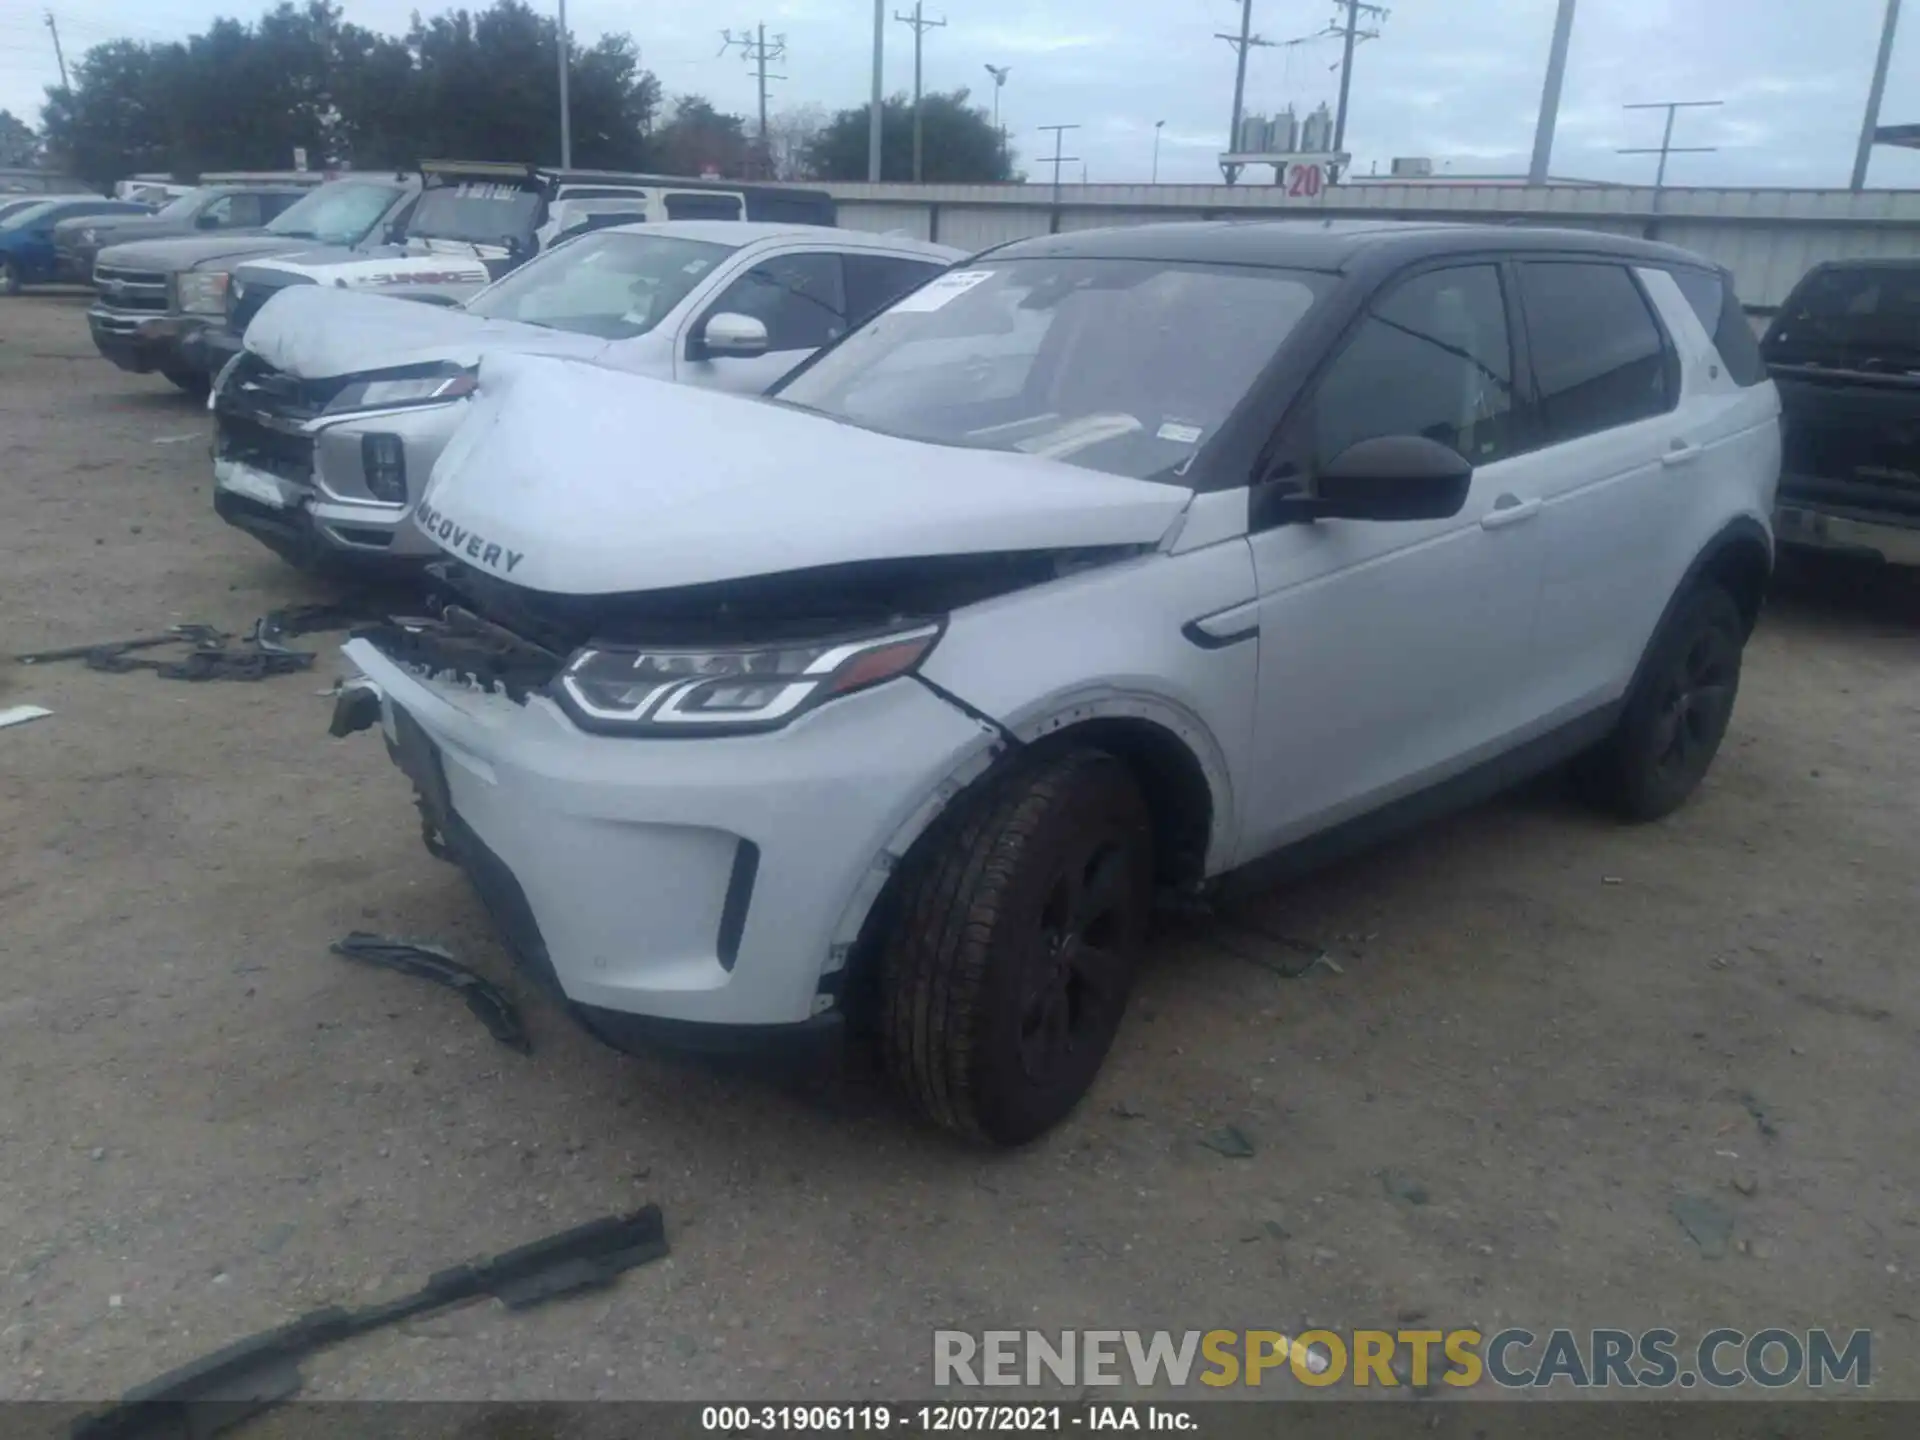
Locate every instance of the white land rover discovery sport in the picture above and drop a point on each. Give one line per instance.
(1110, 561)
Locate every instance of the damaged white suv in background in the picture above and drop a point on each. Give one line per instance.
(327, 425)
(1112, 561)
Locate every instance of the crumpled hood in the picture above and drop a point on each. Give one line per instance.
(318, 332)
(574, 479)
(187, 252)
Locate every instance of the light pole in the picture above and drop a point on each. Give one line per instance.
(873, 114)
(1157, 126)
(999, 73)
(566, 115)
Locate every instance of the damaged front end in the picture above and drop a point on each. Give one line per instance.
(720, 658)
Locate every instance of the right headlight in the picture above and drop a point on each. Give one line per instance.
(203, 292)
(729, 690)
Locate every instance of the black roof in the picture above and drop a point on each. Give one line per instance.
(1332, 245)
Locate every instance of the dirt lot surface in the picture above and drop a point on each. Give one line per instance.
(1543, 1031)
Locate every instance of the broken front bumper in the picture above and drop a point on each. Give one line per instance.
(285, 478)
(704, 881)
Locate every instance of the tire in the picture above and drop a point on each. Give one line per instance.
(9, 278)
(191, 381)
(1676, 714)
(1006, 971)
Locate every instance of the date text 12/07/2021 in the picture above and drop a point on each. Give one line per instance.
(942, 1419)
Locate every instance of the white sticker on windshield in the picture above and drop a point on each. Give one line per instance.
(936, 293)
(1179, 434)
(696, 267)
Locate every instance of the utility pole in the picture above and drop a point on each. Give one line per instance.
(1666, 146)
(920, 28)
(873, 113)
(1058, 159)
(1550, 95)
(1246, 40)
(758, 52)
(1158, 126)
(1353, 34)
(60, 55)
(566, 110)
(999, 73)
(1874, 94)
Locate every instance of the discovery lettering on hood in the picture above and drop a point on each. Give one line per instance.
(455, 537)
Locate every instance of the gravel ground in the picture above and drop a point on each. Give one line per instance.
(1546, 1027)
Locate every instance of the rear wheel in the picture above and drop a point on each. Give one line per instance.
(1676, 714)
(9, 277)
(1009, 963)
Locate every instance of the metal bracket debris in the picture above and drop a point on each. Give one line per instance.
(430, 962)
(231, 1385)
(212, 655)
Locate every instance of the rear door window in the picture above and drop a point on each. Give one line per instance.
(698, 205)
(1599, 358)
(1724, 318)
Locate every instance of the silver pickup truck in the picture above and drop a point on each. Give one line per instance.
(329, 422)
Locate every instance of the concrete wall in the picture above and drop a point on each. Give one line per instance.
(1767, 238)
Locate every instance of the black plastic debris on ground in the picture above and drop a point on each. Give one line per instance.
(221, 1390)
(430, 962)
(211, 654)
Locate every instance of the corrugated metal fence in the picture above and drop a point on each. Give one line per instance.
(1767, 238)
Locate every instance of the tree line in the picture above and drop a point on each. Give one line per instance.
(463, 84)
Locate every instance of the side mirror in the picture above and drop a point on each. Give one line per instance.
(206, 221)
(1391, 477)
(730, 334)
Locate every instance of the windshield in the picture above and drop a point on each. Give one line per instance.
(1866, 317)
(1124, 366)
(605, 283)
(182, 209)
(478, 213)
(340, 213)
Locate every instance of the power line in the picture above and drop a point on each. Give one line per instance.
(1666, 146)
(920, 28)
(1243, 42)
(1353, 35)
(759, 53)
(1875, 90)
(1058, 159)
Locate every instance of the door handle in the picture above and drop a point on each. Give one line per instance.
(1680, 453)
(1509, 510)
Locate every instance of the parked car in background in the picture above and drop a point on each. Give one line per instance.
(234, 209)
(159, 299)
(1845, 352)
(328, 426)
(26, 237)
(892, 698)
(14, 204)
(476, 220)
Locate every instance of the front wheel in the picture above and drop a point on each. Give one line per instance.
(9, 278)
(196, 383)
(1012, 950)
(1677, 712)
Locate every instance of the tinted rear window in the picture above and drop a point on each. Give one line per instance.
(1863, 318)
(1599, 360)
(1725, 319)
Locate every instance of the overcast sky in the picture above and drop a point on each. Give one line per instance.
(1457, 80)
